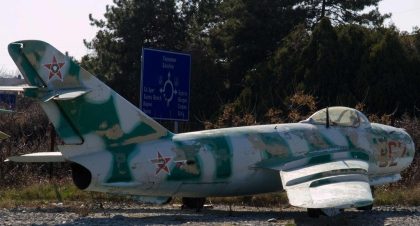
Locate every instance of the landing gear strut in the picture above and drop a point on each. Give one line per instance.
(193, 203)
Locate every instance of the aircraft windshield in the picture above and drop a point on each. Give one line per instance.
(340, 116)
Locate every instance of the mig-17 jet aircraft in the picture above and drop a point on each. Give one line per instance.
(325, 163)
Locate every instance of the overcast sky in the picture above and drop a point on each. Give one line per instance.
(65, 24)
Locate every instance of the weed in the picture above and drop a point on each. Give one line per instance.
(388, 195)
(43, 194)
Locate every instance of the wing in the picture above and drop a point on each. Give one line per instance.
(338, 184)
(14, 88)
(335, 184)
(38, 157)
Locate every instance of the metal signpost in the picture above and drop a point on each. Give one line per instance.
(165, 85)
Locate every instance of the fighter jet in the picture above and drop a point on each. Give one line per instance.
(326, 163)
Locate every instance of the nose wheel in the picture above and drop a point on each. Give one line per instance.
(193, 203)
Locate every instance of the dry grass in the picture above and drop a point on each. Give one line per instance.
(52, 192)
(407, 196)
(261, 200)
(65, 192)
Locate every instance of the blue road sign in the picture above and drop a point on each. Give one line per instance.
(7, 101)
(165, 84)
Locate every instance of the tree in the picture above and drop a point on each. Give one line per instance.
(182, 25)
(130, 25)
(390, 80)
(256, 55)
(207, 76)
(343, 12)
(319, 68)
(248, 34)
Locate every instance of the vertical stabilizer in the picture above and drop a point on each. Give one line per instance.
(79, 105)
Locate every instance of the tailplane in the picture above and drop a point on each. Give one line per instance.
(78, 104)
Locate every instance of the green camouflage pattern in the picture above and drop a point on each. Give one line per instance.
(128, 152)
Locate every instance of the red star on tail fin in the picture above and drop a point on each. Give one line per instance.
(54, 69)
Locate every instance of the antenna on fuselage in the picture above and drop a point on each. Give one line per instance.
(327, 123)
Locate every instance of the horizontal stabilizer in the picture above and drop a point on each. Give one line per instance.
(65, 94)
(47, 95)
(339, 184)
(38, 157)
(15, 88)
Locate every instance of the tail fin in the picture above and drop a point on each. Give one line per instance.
(76, 102)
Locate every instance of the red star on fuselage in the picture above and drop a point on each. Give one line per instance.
(161, 163)
(54, 69)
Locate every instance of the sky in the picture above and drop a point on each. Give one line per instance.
(405, 13)
(64, 24)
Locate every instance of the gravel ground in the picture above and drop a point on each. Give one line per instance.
(133, 214)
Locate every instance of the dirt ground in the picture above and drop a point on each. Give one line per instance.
(136, 214)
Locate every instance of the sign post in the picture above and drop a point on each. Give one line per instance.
(165, 85)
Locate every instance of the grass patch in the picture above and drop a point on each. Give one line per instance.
(261, 200)
(44, 193)
(408, 196)
(48, 192)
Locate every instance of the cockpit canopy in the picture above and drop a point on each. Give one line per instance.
(339, 116)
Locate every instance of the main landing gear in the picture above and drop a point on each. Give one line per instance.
(193, 203)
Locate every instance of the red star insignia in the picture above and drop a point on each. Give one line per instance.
(161, 163)
(54, 69)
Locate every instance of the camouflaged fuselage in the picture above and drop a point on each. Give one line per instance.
(247, 160)
(125, 151)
